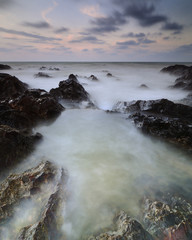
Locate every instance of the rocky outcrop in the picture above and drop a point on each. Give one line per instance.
(22, 186)
(93, 78)
(14, 145)
(161, 118)
(184, 74)
(48, 226)
(72, 91)
(4, 67)
(11, 87)
(41, 74)
(126, 228)
(168, 219)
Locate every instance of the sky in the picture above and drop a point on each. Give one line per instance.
(96, 30)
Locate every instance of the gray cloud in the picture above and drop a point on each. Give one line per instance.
(85, 50)
(41, 24)
(61, 30)
(134, 35)
(25, 34)
(166, 38)
(61, 48)
(185, 49)
(172, 26)
(146, 41)
(126, 44)
(91, 39)
(6, 3)
(98, 50)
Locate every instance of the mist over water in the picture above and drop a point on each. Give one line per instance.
(111, 165)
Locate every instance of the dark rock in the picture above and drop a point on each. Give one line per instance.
(184, 73)
(11, 87)
(168, 219)
(161, 118)
(93, 78)
(126, 228)
(21, 186)
(71, 90)
(4, 67)
(143, 86)
(41, 74)
(109, 75)
(37, 105)
(48, 226)
(54, 69)
(14, 145)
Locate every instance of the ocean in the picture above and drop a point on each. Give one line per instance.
(111, 165)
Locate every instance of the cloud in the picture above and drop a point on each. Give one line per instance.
(90, 39)
(98, 50)
(61, 48)
(172, 26)
(144, 13)
(134, 35)
(108, 24)
(147, 41)
(41, 24)
(25, 34)
(45, 12)
(6, 3)
(166, 38)
(85, 50)
(61, 30)
(92, 11)
(187, 49)
(126, 44)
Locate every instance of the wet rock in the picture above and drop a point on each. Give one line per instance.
(22, 186)
(143, 86)
(48, 226)
(4, 67)
(42, 68)
(93, 78)
(71, 90)
(169, 219)
(37, 105)
(54, 69)
(161, 118)
(11, 87)
(184, 73)
(41, 74)
(126, 229)
(14, 145)
(109, 75)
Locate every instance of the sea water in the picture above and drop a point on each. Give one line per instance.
(111, 165)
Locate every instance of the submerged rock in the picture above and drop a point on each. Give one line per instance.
(93, 78)
(126, 228)
(169, 219)
(22, 186)
(4, 67)
(11, 87)
(161, 118)
(14, 145)
(143, 86)
(41, 74)
(109, 75)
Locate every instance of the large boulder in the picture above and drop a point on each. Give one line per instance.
(4, 67)
(37, 105)
(17, 187)
(70, 89)
(184, 74)
(168, 219)
(15, 145)
(126, 228)
(48, 226)
(161, 118)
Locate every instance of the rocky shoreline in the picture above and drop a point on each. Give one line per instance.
(166, 217)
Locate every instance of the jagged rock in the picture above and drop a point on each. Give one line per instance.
(170, 219)
(4, 67)
(184, 73)
(37, 105)
(161, 118)
(93, 78)
(14, 145)
(48, 226)
(11, 87)
(126, 229)
(71, 90)
(41, 74)
(21, 186)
